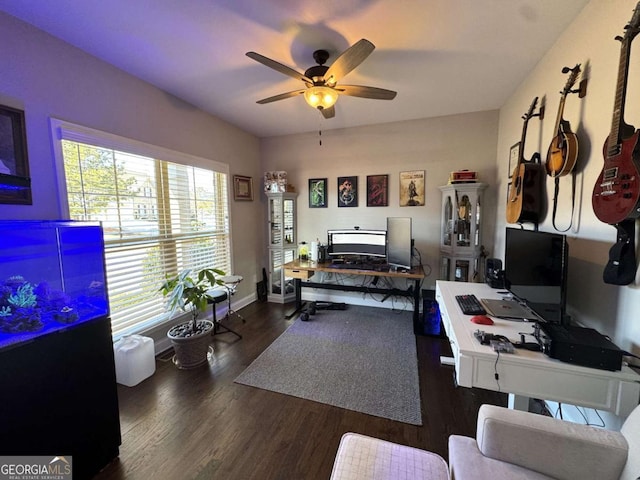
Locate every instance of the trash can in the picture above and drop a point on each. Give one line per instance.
(430, 322)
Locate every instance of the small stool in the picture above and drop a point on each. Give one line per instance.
(215, 296)
(366, 458)
(231, 284)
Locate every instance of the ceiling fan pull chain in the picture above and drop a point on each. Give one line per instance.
(320, 128)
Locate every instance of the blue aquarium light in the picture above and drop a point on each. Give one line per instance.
(52, 277)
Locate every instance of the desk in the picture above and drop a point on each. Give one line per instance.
(525, 374)
(303, 270)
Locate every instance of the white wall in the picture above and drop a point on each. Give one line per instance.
(589, 40)
(437, 146)
(46, 78)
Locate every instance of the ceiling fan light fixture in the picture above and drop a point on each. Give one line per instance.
(321, 97)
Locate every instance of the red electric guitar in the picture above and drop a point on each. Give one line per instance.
(616, 195)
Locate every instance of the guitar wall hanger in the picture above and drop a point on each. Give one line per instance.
(582, 87)
(540, 113)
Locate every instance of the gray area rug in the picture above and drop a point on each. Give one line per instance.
(362, 359)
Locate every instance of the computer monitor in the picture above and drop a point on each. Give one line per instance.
(399, 242)
(365, 243)
(536, 271)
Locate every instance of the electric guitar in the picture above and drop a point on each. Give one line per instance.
(563, 150)
(524, 202)
(616, 195)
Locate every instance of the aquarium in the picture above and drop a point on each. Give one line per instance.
(52, 277)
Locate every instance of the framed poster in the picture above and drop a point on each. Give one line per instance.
(317, 193)
(242, 188)
(377, 190)
(514, 154)
(348, 191)
(412, 188)
(15, 184)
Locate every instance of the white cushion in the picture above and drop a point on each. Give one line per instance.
(631, 431)
(360, 457)
(560, 449)
(468, 463)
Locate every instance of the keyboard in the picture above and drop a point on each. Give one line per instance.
(470, 305)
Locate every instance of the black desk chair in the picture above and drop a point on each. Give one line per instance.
(216, 296)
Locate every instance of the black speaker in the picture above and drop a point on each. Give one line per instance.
(494, 275)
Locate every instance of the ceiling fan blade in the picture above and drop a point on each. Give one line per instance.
(348, 60)
(279, 67)
(282, 96)
(328, 112)
(366, 92)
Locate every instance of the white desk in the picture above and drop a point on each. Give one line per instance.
(525, 374)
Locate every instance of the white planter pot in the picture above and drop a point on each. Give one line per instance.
(191, 351)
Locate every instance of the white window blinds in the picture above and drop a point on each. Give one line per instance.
(158, 217)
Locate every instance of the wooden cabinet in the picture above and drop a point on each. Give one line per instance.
(461, 232)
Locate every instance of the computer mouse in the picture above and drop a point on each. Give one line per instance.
(481, 320)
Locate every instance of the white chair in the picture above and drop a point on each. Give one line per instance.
(509, 445)
(512, 444)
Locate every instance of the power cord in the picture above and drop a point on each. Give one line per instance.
(586, 421)
(496, 375)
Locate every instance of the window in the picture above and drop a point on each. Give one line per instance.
(159, 215)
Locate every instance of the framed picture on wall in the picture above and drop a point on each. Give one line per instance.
(242, 188)
(317, 193)
(348, 191)
(412, 188)
(377, 190)
(15, 183)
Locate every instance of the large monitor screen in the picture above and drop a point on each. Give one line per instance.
(366, 243)
(536, 271)
(399, 242)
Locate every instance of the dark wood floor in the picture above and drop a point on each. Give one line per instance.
(198, 424)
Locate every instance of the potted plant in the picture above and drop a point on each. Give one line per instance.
(188, 291)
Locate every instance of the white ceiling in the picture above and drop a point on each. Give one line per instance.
(441, 56)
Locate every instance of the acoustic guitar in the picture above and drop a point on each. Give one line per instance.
(563, 150)
(616, 195)
(524, 202)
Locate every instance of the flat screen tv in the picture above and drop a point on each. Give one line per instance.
(365, 243)
(535, 271)
(399, 242)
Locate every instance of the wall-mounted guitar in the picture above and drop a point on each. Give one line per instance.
(563, 150)
(616, 196)
(524, 202)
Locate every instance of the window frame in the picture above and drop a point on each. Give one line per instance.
(63, 130)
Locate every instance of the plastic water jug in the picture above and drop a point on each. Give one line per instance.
(135, 359)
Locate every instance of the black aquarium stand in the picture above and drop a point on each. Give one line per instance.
(58, 397)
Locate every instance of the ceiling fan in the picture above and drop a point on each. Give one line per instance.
(321, 82)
